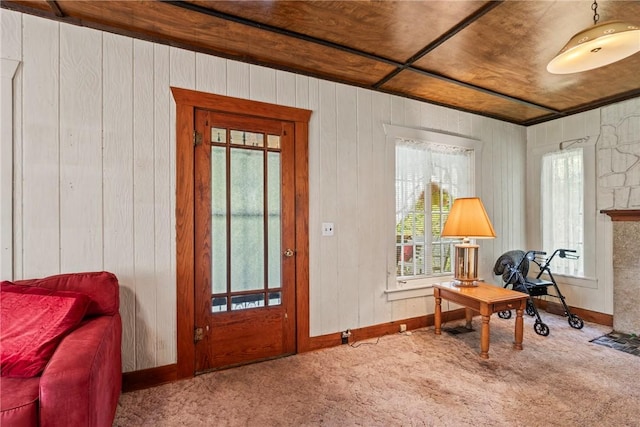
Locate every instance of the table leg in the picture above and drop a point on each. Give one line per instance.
(484, 336)
(437, 317)
(468, 317)
(519, 329)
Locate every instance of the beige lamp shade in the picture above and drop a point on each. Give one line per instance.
(468, 219)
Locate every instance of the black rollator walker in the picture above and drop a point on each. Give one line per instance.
(514, 266)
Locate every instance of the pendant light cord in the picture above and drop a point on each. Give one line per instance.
(596, 16)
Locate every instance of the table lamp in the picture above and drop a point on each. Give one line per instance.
(467, 220)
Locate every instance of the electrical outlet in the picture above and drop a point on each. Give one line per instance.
(327, 229)
(403, 327)
(345, 336)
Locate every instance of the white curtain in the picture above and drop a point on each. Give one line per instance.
(421, 169)
(562, 200)
(418, 164)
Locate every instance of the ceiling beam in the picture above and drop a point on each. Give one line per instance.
(590, 106)
(443, 38)
(266, 27)
(483, 90)
(56, 8)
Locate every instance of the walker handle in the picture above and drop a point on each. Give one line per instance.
(532, 254)
(564, 253)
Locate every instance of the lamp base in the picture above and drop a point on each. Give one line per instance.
(465, 271)
(465, 283)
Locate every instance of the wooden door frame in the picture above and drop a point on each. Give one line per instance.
(186, 103)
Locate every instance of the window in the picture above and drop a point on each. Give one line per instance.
(562, 189)
(563, 208)
(428, 177)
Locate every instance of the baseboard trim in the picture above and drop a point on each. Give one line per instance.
(147, 378)
(374, 331)
(584, 314)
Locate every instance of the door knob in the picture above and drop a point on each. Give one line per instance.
(288, 253)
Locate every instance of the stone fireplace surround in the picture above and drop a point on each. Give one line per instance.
(626, 270)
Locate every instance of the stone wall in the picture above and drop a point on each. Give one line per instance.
(619, 157)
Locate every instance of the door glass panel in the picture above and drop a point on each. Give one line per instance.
(247, 220)
(218, 135)
(273, 224)
(218, 304)
(246, 215)
(275, 298)
(273, 141)
(243, 302)
(253, 139)
(218, 220)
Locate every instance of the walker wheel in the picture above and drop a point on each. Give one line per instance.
(541, 329)
(505, 314)
(531, 310)
(575, 322)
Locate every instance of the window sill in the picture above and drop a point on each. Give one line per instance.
(414, 288)
(582, 282)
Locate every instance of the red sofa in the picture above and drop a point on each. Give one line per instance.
(80, 383)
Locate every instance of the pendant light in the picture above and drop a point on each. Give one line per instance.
(596, 46)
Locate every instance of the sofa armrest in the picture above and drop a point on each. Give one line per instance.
(81, 383)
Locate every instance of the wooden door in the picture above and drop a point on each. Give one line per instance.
(244, 240)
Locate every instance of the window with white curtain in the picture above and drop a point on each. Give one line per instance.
(563, 208)
(428, 177)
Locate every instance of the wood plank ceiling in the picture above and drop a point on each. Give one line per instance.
(486, 57)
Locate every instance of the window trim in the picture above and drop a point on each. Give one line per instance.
(423, 286)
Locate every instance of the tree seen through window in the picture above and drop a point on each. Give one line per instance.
(412, 233)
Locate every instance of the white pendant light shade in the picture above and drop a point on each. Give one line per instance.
(597, 46)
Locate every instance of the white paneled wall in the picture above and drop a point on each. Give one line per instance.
(94, 169)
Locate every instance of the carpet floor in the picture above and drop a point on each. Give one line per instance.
(414, 379)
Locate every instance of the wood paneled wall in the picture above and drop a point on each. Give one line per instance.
(94, 169)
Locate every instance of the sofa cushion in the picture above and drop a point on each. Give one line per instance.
(19, 403)
(32, 326)
(101, 286)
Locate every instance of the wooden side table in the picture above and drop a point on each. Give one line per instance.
(484, 299)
